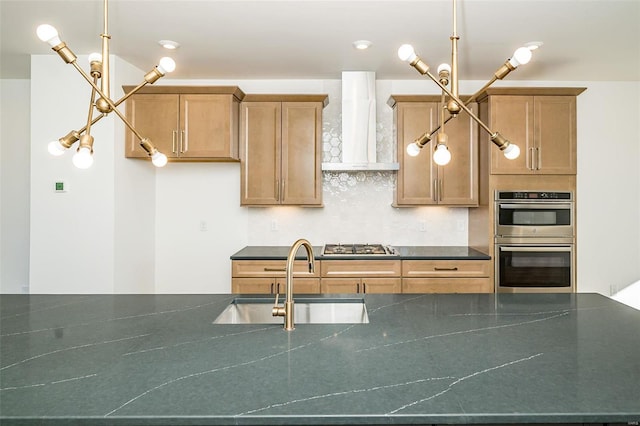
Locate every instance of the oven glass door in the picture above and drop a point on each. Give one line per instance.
(535, 266)
(534, 219)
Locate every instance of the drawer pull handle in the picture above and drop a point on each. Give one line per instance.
(455, 268)
(275, 269)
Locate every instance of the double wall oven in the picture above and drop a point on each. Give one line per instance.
(534, 241)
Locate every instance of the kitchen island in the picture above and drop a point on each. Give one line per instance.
(422, 359)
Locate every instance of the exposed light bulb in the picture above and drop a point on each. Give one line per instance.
(95, 57)
(442, 156)
(413, 149)
(444, 67)
(407, 53)
(159, 159)
(55, 148)
(521, 56)
(83, 159)
(48, 34)
(166, 65)
(512, 151)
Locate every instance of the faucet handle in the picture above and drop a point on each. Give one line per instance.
(278, 311)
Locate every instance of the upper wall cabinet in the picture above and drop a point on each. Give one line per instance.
(185, 123)
(541, 121)
(281, 150)
(420, 180)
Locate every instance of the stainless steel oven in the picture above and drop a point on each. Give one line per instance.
(534, 241)
(535, 268)
(522, 214)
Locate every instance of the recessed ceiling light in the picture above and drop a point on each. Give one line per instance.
(361, 44)
(169, 44)
(533, 45)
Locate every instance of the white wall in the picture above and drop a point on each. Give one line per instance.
(14, 184)
(108, 211)
(73, 234)
(608, 191)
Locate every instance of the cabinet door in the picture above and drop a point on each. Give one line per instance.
(417, 175)
(260, 136)
(447, 285)
(301, 182)
(155, 117)
(207, 126)
(555, 134)
(381, 285)
(300, 286)
(512, 116)
(458, 180)
(340, 285)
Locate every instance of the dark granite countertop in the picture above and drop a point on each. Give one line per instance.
(422, 359)
(404, 253)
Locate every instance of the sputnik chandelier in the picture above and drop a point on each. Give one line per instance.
(99, 70)
(448, 75)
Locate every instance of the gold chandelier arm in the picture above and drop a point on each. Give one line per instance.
(91, 104)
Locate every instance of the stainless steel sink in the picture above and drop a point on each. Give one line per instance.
(308, 310)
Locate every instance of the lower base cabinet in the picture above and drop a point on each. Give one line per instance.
(274, 285)
(446, 276)
(363, 276)
(269, 277)
(361, 285)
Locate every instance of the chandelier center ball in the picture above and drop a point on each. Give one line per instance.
(103, 106)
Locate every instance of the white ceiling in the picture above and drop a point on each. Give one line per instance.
(584, 40)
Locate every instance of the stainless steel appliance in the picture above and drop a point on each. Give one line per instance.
(358, 250)
(522, 214)
(534, 241)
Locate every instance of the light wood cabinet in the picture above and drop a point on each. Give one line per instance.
(446, 276)
(281, 150)
(361, 276)
(541, 121)
(269, 277)
(185, 123)
(420, 181)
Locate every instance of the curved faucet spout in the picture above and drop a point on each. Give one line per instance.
(287, 310)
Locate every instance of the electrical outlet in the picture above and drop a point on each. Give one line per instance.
(423, 226)
(274, 225)
(203, 226)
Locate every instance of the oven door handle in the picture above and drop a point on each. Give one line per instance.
(541, 206)
(538, 249)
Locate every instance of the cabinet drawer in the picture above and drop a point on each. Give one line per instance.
(361, 268)
(447, 285)
(271, 268)
(445, 268)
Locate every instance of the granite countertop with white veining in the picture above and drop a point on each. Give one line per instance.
(422, 359)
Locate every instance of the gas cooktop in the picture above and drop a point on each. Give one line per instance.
(358, 250)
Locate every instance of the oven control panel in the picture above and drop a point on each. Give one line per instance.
(532, 195)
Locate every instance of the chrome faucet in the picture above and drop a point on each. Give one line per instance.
(286, 311)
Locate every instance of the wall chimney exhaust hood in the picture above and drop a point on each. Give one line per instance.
(359, 124)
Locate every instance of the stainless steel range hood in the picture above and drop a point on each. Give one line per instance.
(359, 124)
